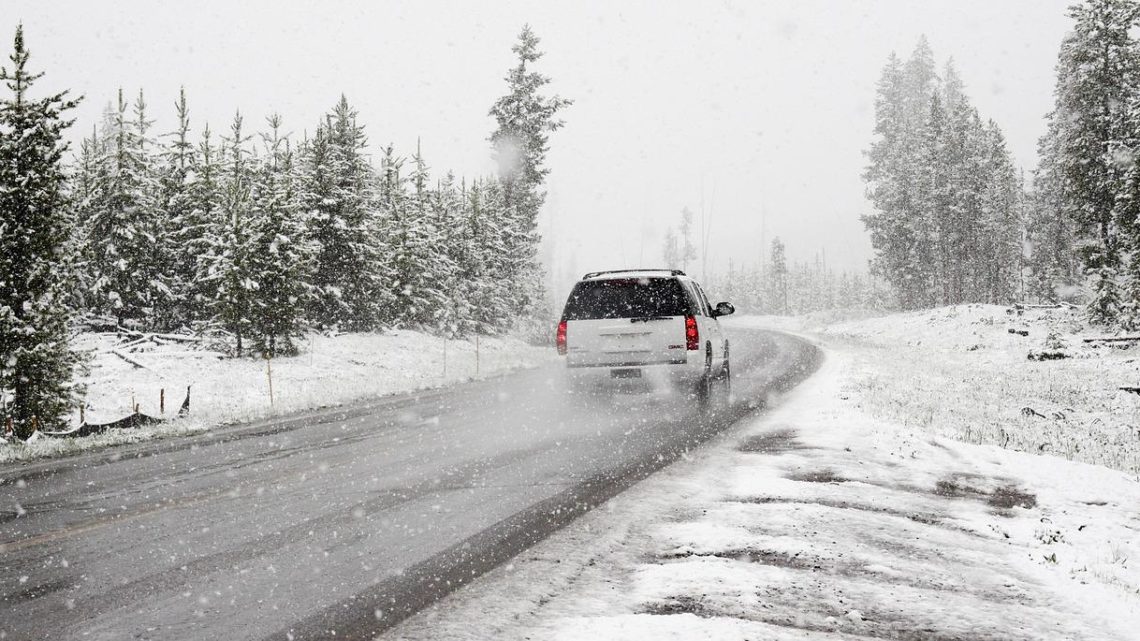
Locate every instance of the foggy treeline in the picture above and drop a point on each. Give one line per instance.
(952, 221)
(773, 285)
(777, 286)
(947, 220)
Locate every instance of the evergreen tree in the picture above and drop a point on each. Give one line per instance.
(898, 230)
(524, 120)
(418, 265)
(224, 266)
(1097, 75)
(83, 191)
(487, 307)
(1051, 232)
(338, 197)
(122, 229)
(446, 225)
(185, 220)
(36, 362)
(280, 257)
(198, 234)
(1001, 230)
(932, 258)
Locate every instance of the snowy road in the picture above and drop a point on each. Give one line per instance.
(269, 531)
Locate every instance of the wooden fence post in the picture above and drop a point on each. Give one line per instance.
(269, 374)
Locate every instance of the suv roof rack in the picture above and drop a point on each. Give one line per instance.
(672, 272)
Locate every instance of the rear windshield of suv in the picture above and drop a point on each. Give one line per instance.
(626, 298)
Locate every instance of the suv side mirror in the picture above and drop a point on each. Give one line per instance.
(723, 309)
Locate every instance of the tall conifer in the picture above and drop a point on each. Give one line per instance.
(36, 362)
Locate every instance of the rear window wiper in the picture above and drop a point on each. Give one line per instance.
(646, 319)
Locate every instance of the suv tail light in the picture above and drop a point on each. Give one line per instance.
(560, 338)
(692, 335)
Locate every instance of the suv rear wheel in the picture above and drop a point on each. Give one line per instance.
(705, 382)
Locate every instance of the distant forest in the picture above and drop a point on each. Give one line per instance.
(952, 219)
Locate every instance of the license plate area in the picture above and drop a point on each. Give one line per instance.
(625, 373)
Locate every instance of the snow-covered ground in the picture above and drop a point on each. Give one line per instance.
(965, 372)
(839, 515)
(331, 370)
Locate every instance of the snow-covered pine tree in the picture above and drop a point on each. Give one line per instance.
(484, 291)
(919, 84)
(1127, 214)
(427, 294)
(966, 180)
(898, 230)
(468, 260)
(185, 220)
(524, 120)
(417, 263)
(339, 203)
(1098, 69)
(224, 264)
(446, 218)
(1002, 226)
(123, 224)
(934, 252)
(83, 189)
(280, 257)
(400, 239)
(500, 310)
(1051, 232)
(197, 236)
(36, 361)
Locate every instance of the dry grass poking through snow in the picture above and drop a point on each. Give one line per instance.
(964, 372)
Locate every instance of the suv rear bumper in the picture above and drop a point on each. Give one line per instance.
(637, 376)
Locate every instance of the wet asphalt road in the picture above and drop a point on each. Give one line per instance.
(338, 523)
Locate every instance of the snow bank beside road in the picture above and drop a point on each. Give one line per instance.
(332, 370)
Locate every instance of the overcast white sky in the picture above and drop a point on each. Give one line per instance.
(760, 110)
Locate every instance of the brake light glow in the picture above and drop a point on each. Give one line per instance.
(692, 335)
(560, 338)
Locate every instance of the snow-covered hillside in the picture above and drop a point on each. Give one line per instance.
(331, 370)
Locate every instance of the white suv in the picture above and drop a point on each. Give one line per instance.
(648, 325)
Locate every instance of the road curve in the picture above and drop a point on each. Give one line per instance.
(345, 527)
